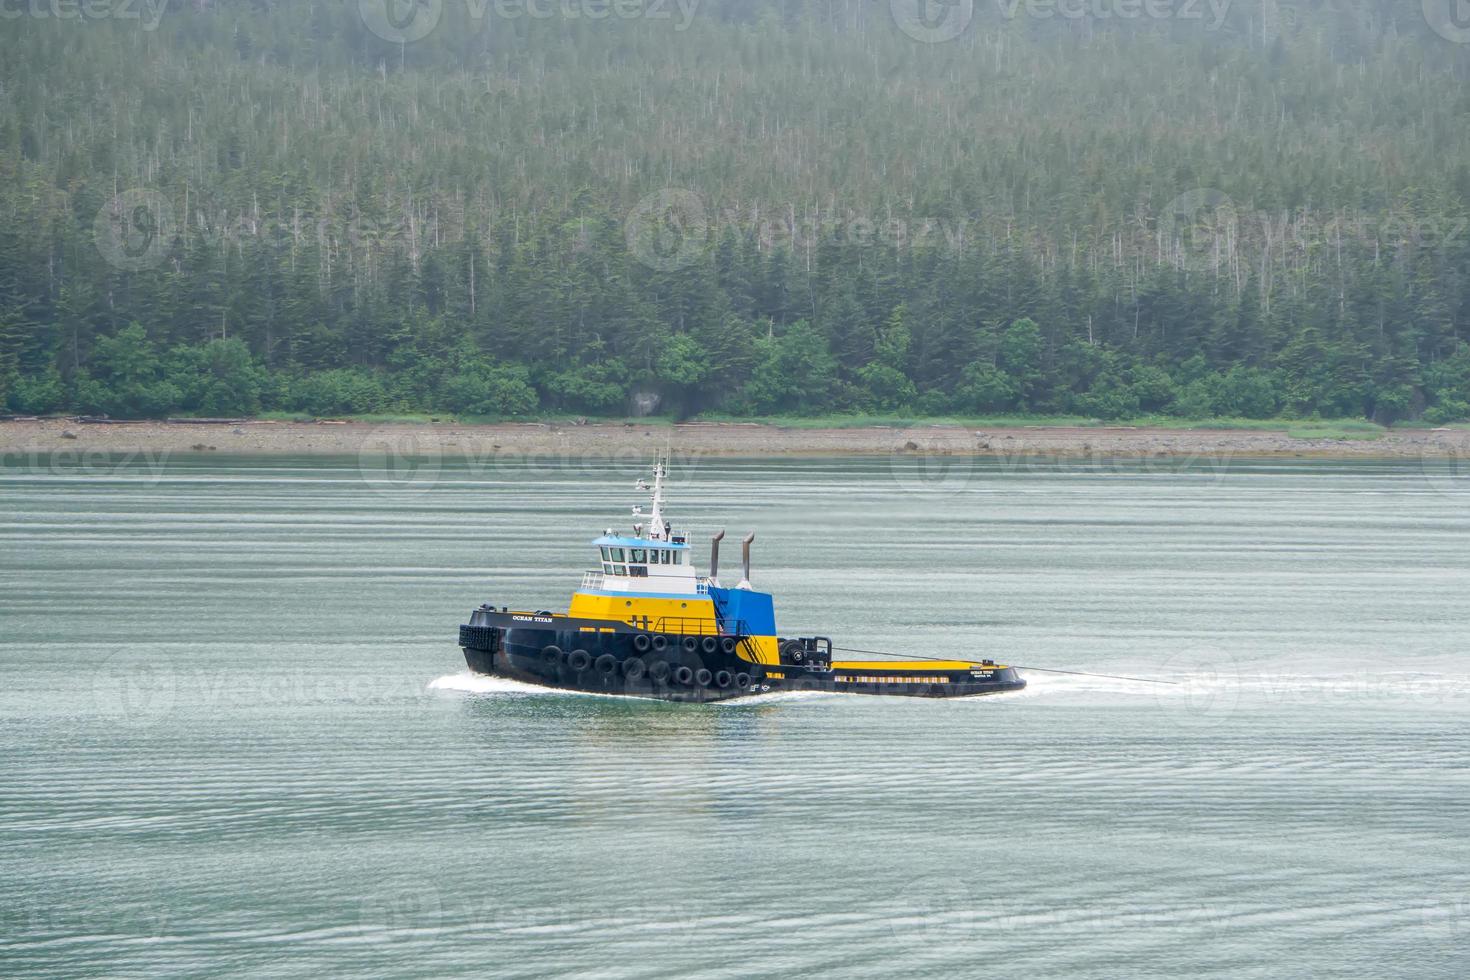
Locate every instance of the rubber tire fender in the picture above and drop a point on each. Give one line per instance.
(722, 679)
(658, 670)
(642, 642)
(727, 644)
(683, 675)
(660, 642)
(742, 680)
(690, 644)
(550, 655)
(634, 668)
(710, 644)
(579, 660)
(607, 664)
(703, 677)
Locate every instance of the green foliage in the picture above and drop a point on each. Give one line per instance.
(796, 373)
(339, 225)
(217, 379)
(1021, 350)
(1448, 384)
(341, 391)
(599, 387)
(681, 362)
(1108, 398)
(38, 395)
(986, 388)
(481, 388)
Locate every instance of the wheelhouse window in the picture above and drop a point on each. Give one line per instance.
(607, 568)
(637, 555)
(619, 569)
(605, 555)
(617, 554)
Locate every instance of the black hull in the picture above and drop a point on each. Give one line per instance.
(527, 655)
(620, 661)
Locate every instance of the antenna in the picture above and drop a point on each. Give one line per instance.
(656, 516)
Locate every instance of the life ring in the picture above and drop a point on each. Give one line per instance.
(702, 677)
(660, 642)
(727, 644)
(742, 680)
(710, 644)
(683, 675)
(722, 679)
(634, 668)
(659, 670)
(579, 660)
(690, 644)
(551, 655)
(641, 642)
(793, 650)
(607, 664)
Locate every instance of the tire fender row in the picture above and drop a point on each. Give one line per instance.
(654, 668)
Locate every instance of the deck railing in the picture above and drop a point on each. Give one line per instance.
(592, 580)
(695, 626)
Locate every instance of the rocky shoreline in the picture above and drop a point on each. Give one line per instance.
(47, 436)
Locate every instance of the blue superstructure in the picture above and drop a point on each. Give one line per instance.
(754, 610)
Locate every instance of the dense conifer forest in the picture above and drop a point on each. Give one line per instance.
(1248, 208)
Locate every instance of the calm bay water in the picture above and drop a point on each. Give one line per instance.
(238, 737)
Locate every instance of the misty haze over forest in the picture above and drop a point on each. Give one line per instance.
(1105, 208)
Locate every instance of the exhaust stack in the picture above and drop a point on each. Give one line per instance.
(714, 558)
(745, 560)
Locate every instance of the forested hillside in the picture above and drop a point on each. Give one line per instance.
(758, 208)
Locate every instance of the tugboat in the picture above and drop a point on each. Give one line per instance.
(645, 624)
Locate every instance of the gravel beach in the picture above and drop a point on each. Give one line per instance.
(731, 439)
